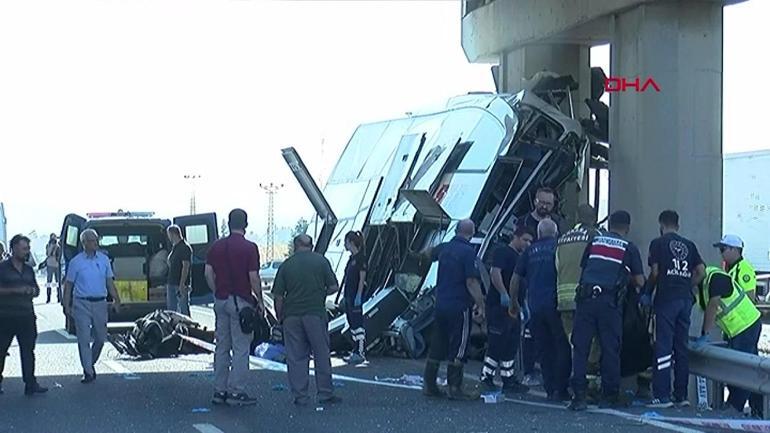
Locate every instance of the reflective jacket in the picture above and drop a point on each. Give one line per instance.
(736, 313)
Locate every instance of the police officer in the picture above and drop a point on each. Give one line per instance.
(537, 265)
(676, 267)
(503, 331)
(741, 271)
(607, 262)
(728, 307)
(457, 288)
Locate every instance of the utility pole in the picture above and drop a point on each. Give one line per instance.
(193, 178)
(271, 189)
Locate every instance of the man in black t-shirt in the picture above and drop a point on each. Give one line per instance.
(676, 267)
(178, 283)
(503, 331)
(18, 287)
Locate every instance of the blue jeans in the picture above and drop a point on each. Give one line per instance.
(746, 342)
(177, 300)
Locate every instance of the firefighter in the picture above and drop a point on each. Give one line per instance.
(457, 289)
(607, 263)
(741, 271)
(676, 267)
(503, 331)
(728, 307)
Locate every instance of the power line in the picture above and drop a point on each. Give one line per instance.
(271, 189)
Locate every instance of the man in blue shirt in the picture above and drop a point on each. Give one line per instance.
(676, 268)
(607, 263)
(538, 266)
(89, 278)
(503, 331)
(457, 289)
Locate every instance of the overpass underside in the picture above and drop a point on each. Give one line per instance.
(665, 147)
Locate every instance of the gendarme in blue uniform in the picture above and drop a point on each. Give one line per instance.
(606, 264)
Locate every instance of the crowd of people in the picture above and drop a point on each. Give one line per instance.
(570, 290)
(567, 290)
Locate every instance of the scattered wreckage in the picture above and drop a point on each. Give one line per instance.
(405, 183)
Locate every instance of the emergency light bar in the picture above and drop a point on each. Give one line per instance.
(120, 213)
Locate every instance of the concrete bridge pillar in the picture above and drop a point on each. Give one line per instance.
(666, 147)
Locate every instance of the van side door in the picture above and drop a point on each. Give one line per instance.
(200, 231)
(70, 236)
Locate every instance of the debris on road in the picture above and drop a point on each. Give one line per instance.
(157, 335)
(407, 379)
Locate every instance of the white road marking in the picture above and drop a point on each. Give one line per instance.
(207, 428)
(277, 366)
(119, 368)
(617, 413)
(65, 334)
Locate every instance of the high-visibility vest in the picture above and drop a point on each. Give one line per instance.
(736, 313)
(744, 275)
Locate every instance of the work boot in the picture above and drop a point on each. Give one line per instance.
(512, 386)
(455, 382)
(35, 388)
(578, 402)
(488, 385)
(429, 386)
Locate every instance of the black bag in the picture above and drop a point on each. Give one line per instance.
(636, 352)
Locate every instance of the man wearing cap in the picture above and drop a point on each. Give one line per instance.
(608, 262)
(676, 268)
(739, 269)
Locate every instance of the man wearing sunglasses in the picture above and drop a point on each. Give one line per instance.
(739, 269)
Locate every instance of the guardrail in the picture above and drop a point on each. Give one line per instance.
(731, 367)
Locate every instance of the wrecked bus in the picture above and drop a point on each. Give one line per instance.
(405, 183)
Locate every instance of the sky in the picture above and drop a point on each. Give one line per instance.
(108, 104)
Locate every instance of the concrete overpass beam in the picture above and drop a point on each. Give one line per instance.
(666, 147)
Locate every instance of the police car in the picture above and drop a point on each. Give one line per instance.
(138, 248)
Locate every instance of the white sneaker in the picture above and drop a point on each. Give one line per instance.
(658, 403)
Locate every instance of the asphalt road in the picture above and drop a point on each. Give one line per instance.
(172, 395)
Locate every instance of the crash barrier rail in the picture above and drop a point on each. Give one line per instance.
(730, 367)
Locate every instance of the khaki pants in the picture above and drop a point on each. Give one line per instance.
(304, 335)
(231, 357)
(90, 322)
(594, 357)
